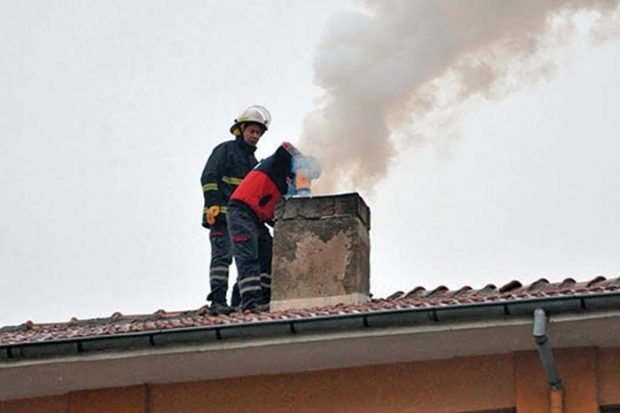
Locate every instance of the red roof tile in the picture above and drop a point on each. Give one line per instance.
(117, 323)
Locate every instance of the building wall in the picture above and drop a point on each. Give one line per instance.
(118, 400)
(410, 387)
(577, 369)
(608, 370)
(470, 384)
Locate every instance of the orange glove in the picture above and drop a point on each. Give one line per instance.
(212, 212)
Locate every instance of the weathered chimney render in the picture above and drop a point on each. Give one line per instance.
(321, 252)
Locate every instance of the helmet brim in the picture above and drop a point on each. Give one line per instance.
(236, 130)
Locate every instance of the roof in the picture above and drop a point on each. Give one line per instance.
(190, 346)
(419, 298)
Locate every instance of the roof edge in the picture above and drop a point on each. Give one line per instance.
(594, 302)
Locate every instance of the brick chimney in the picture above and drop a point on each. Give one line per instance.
(321, 252)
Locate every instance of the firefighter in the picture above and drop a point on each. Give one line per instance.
(229, 162)
(252, 205)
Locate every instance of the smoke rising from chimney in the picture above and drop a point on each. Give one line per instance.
(388, 65)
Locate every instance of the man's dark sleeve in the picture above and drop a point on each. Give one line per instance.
(212, 177)
(282, 168)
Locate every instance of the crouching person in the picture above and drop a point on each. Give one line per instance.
(251, 206)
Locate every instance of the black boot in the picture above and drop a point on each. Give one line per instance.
(259, 308)
(235, 300)
(218, 308)
(218, 303)
(254, 303)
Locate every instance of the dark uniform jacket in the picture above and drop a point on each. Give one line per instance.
(228, 164)
(263, 185)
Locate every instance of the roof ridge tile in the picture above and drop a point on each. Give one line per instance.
(595, 280)
(538, 285)
(512, 285)
(439, 291)
(464, 290)
(396, 295)
(416, 292)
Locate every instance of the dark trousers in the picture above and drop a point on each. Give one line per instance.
(221, 258)
(252, 247)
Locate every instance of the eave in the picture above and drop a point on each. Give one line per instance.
(306, 344)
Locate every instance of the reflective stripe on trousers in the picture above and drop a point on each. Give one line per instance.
(252, 249)
(221, 258)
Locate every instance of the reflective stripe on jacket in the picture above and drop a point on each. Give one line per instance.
(228, 164)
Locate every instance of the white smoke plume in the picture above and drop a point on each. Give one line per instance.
(389, 65)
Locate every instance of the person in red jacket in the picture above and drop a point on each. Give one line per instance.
(252, 205)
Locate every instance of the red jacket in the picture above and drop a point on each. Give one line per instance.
(263, 185)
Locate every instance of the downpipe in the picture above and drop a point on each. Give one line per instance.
(556, 390)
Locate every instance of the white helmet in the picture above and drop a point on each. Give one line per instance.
(254, 114)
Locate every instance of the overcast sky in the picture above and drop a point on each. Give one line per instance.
(109, 110)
